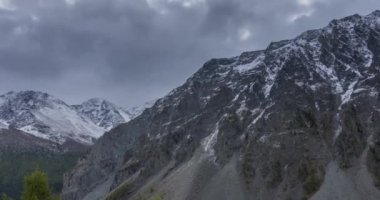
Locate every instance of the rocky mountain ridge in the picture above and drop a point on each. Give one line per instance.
(298, 120)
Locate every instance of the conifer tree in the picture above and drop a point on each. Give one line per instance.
(36, 187)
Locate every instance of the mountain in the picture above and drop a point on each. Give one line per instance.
(108, 115)
(103, 113)
(298, 120)
(47, 117)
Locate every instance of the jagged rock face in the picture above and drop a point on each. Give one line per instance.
(103, 113)
(297, 120)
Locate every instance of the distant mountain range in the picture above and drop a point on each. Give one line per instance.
(47, 117)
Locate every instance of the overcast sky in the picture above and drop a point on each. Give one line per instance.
(132, 51)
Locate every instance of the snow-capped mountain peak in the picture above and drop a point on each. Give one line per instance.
(45, 116)
(26, 100)
(48, 117)
(103, 113)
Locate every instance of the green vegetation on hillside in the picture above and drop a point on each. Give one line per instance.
(15, 166)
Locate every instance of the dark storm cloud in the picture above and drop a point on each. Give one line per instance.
(130, 51)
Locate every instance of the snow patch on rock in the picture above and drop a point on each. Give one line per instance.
(250, 66)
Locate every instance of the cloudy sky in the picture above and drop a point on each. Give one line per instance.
(131, 51)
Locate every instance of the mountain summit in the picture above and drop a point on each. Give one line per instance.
(47, 117)
(298, 120)
(103, 113)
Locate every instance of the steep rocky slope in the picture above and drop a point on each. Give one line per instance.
(298, 120)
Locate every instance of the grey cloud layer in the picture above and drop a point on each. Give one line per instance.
(135, 50)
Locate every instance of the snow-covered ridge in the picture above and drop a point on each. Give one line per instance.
(103, 113)
(338, 64)
(45, 116)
